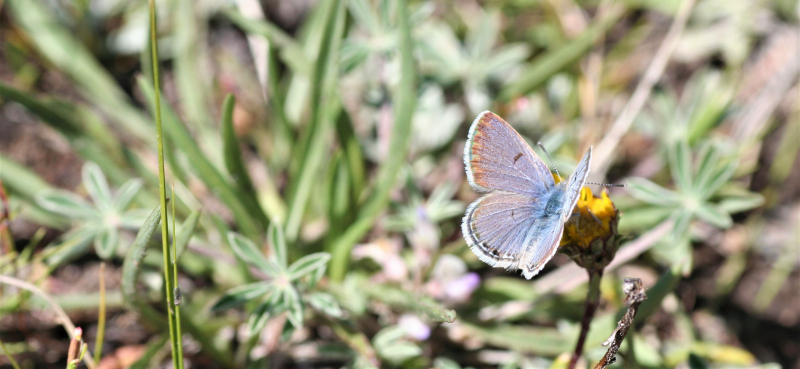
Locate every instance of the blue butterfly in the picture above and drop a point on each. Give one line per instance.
(519, 222)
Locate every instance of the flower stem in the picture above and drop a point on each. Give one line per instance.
(592, 301)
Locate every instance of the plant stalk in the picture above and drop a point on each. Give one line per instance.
(174, 323)
(592, 301)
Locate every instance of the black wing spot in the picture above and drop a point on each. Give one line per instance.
(517, 158)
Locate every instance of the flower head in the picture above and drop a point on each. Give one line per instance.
(590, 235)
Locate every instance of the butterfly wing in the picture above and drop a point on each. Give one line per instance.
(546, 238)
(547, 233)
(498, 226)
(576, 181)
(497, 158)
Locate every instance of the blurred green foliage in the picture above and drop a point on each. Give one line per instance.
(326, 160)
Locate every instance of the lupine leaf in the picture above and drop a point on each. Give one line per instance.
(248, 253)
(126, 193)
(325, 303)
(308, 264)
(105, 243)
(715, 216)
(67, 204)
(258, 318)
(649, 192)
(242, 294)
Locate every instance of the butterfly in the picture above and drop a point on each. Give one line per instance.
(519, 222)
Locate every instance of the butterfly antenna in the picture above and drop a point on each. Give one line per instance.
(551, 161)
(608, 184)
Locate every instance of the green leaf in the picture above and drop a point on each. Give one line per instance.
(105, 243)
(61, 48)
(680, 164)
(294, 306)
(707, 161)
(96, 185)
(649, 192)
(290, 51)
(737, 204)
(404, 101)
(422, 305)
(67, 204)
(720, 177)
(682, 218)
(324, 107)
(206, 171)
(231, 151)
(445, 363)
(388, 336)
(248, 253)
(258, 318)
(391, 347)
(553, 61)
(133, 261)
(133, 219)
(126, 193)
(715, 216)
(242, 294)
(308, 264)
(325, 303)
(278, 242)
(400, 351)
(189, 226)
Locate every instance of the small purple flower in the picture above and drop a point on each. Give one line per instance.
(414, 326)
(460, 289)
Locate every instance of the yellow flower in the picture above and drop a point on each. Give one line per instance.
(595, 218)
(590, 235)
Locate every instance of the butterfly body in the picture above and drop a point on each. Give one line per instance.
(519, 222)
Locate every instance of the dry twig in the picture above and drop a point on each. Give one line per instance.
(634, 296)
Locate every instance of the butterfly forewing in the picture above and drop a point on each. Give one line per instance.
(497, 158)
(497, 227)
(576, 181)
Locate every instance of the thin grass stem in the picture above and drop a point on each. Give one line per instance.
(174, 331)
(101, 315)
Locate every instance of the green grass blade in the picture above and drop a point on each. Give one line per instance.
(324, 100)
(58, 46)
(205, 169)
(404, 102)
(290, 51)
(232, 156)
(550, 63)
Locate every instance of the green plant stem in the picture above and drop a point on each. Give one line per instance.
(101, 315)
(8, 355)
(174, 332)
(592, 301)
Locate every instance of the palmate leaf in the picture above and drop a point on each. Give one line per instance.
(242, 294)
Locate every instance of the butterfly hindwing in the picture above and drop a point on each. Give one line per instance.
(498, 226)
(497, 158)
